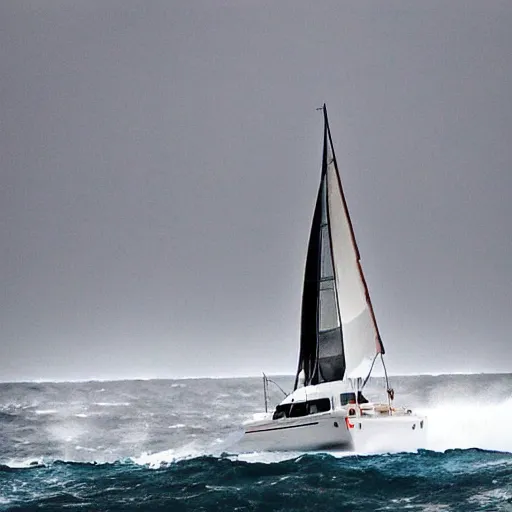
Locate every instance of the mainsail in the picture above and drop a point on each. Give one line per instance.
(339, 334)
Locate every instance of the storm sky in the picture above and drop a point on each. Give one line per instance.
(159, 166)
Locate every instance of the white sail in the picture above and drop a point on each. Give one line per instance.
(360, 336)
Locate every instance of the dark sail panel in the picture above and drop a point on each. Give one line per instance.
(331, 362)
(308, 332)
(321, 357)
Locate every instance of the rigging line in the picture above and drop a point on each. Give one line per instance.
(369, 373)
(265, 386)
(390, 391)
(277, 385)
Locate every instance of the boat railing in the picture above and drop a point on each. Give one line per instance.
(266, 380)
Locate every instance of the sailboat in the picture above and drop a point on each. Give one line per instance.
(339, 346)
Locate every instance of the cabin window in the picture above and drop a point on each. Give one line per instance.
(299, 409)
(348, 398)
(321, 405)
(282, 411)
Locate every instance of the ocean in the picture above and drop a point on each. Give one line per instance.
(166, 445)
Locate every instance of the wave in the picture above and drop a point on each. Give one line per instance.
(456, 480)
(426, 480)
(23, 464)
(156, 460)
(475, 459)
(471, 479)
(112, 404)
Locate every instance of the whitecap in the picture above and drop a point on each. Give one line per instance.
(84, 448)
(266, 457)
(22, 464)
(112, 404)
(156, 460)
(490, 497)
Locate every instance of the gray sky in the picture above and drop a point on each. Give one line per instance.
(159, 164)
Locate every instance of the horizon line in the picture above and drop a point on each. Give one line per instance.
(216, 377)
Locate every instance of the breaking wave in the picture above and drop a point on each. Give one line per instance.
(454, 480)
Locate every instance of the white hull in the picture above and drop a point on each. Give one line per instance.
(389, 433)
(366, 428)
(335, 431)
(315, 432)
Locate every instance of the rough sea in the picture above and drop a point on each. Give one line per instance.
(166, 445)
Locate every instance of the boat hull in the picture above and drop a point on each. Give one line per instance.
(335, 431)
(297, 434)
(385, 433)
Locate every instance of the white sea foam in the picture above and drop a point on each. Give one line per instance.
(177, 425)
(155, 460)
(266, 457)
(460, 425)
(85, 448)
(45, 411)
(112, 404)
(26, 463)
(469, 425)
(490, 497)
(9, 406)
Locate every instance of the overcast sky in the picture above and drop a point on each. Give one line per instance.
(159, 166)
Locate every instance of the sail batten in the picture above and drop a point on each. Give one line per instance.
(339, 333)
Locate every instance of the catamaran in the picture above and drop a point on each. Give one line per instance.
(339, 346)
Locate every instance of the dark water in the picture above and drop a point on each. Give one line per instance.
(165, 445)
